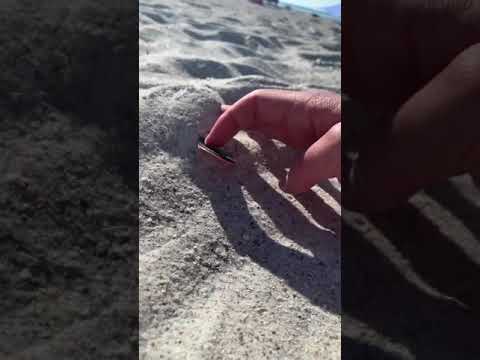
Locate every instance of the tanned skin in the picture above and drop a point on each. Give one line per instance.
(416, 66)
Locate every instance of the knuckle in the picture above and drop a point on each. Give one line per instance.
(315, 100)
(256, 93)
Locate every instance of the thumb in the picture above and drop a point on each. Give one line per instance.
(321, 161)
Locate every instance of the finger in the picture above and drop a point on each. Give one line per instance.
(321, 161)
(231, 121)
(435, 135)
(296, 118)
(227, 125)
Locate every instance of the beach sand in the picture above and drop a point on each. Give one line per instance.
(408, 274)
(68, 223)
(230, 266)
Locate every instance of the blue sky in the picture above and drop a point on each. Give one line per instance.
(331, 7)
(315, 4)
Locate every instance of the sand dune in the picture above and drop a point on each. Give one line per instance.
(230, 267)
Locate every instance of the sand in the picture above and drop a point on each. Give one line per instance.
(415, 296)
(68, 223)
(230, 266)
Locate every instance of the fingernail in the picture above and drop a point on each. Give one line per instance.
(206, 139)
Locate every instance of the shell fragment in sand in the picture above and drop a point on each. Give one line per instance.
(217, 154)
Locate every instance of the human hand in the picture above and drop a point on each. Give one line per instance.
(421, 74)
(307, 121)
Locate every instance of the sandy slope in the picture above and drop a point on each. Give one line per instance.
(68, 230)
(230, 267)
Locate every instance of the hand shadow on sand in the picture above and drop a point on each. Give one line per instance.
(381, 297)
(449, 196)
(321, 212)
(315, 277)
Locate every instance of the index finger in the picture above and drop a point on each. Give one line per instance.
(295, 118)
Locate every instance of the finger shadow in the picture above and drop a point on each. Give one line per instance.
(316, 278)
(276, 160)
(433, 255)
(288, 219)
(331, 190)
(351, 349)
(449, 196)
(377, 295)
